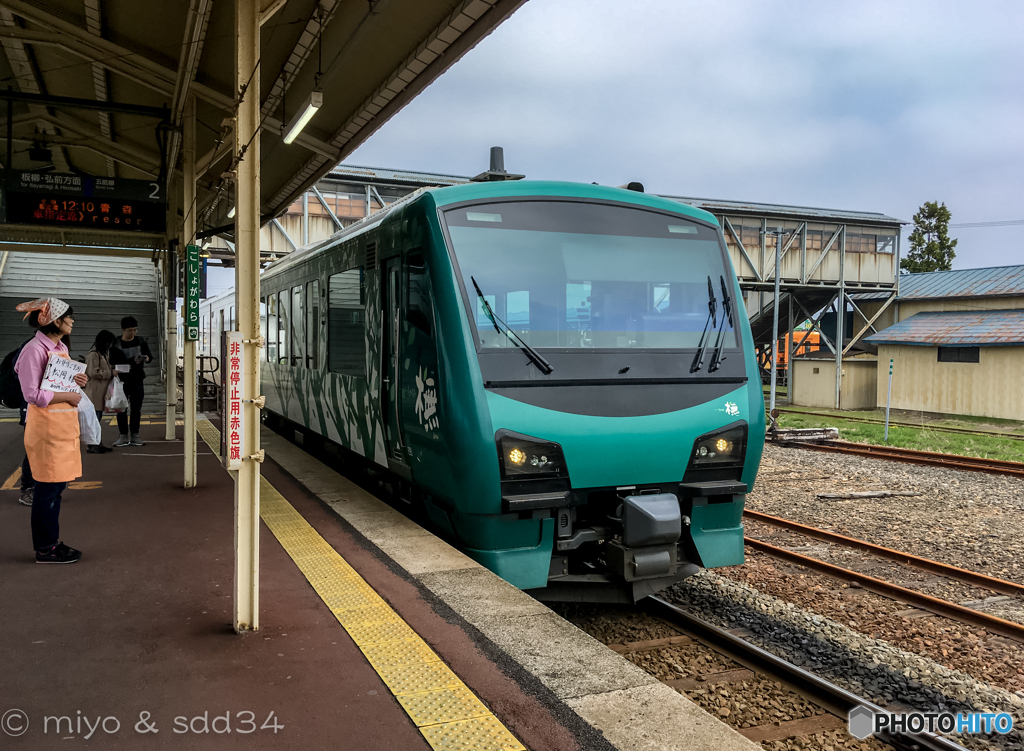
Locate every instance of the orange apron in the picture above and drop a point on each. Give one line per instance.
(51, 442)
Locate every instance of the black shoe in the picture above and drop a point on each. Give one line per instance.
(93, 450)
(59, 553)
(104, 449)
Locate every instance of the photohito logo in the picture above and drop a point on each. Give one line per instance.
(862, 722)
(14, 722)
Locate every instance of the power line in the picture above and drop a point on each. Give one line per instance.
(1008, 223)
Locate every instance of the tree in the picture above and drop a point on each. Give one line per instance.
(930, 246)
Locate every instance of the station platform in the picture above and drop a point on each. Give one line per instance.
(374, 634)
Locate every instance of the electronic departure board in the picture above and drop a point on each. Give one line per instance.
(80, 201)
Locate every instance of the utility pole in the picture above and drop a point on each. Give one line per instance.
(779, 234)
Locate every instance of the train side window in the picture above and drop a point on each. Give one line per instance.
(272, 328)
(346, 317)
(298, 321)
(313, 325)
(283, 321)
(419, 308)
(263, 319)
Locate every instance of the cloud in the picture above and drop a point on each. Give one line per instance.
(875, 106)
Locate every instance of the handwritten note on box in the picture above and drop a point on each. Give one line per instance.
(60, 374)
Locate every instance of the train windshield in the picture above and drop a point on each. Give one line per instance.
(567, 275)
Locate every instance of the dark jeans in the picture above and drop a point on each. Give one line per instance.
(135, 393)
(46, 514)
(26, 475)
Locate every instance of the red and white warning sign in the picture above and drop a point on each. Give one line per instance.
(233, 413)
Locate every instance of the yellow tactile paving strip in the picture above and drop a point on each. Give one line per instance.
(446, 711)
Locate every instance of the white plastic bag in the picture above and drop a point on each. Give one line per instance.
(116, 401)
(88, 422)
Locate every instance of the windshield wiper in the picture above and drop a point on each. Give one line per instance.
(698, 359)
(529, 351)
(716, 354)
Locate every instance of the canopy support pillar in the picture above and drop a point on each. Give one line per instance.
(188, 156)
(247, 286)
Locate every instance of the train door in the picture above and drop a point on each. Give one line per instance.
(391, 292)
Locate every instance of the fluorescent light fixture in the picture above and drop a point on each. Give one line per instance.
(231, 214)
(303, 116)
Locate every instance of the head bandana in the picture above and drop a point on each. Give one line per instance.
(50, 309)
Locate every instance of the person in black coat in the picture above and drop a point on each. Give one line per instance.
(129, 356)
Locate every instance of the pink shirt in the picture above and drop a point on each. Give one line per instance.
(32, 364)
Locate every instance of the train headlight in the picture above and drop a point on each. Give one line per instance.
(524, 457)
(723, 447)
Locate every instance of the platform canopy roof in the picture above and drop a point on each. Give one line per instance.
(987, 328)
(139, 60)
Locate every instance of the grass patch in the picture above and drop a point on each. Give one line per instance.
(921, 439)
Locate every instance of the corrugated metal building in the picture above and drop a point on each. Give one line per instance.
(101, 289)
(956, 339)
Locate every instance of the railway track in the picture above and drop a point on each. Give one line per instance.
(936, 428)
(991, 623)
(911, 456)
(836, 701)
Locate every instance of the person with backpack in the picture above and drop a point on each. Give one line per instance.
(51, 426)
(11, 396)
(133, 351)
(100, 372)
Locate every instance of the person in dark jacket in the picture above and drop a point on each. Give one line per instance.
(129, 356)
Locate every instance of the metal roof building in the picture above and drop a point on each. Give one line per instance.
(986, 328)
(956, 339)
(996, 281)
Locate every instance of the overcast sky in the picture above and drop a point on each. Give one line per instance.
(870, 106)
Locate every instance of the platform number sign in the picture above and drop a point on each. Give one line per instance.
(193, 267)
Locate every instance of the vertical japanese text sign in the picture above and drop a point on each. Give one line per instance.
(233, 421)
(193, 267)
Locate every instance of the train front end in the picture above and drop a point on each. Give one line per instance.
(620, 392)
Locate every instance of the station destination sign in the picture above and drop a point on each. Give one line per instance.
(80, 201)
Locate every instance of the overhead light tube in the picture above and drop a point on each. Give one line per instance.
(231, 214)
(303, 116)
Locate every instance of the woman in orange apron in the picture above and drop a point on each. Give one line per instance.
(51, 427)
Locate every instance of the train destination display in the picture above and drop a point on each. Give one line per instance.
(49, 199)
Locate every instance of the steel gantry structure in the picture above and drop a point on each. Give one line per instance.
(230, 111)
(827, 257)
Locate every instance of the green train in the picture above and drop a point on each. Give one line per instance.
(560, 376)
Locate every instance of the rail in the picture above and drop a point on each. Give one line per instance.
(925, 564)
(912, 456)
(829, 696)
(936, 428)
